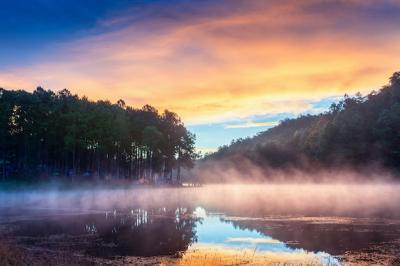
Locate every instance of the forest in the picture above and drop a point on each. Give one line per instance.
(356, 132)
(46, 134)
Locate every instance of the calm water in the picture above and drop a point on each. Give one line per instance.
(157, 225)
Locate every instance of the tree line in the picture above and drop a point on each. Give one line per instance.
(355, 132)
(60, 134)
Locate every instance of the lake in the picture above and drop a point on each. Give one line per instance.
(285, 224)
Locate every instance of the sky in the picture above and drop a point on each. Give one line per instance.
(229, 68)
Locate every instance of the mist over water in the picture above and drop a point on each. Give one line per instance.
(264, 222)
(259, 200)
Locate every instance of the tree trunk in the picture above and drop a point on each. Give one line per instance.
(74, 159)
(4, 164)
(117, 161)
(151, 166)
(178, 174)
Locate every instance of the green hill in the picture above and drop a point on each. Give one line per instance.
(356, 132)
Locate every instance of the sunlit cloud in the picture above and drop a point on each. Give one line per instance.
(215, 64)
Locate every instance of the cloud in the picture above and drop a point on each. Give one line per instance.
(217, 62)
(253, 240)
(253, 124)
(205, 150)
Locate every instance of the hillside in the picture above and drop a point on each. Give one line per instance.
(355, 132)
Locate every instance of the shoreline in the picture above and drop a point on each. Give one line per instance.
(15, 254)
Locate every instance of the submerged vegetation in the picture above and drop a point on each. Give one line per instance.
(59, 134)
(356, 132)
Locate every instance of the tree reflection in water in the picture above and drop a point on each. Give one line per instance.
(334, 235)
(153, 232)
(196, 235)
(134, 232)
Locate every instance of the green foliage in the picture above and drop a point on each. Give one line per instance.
(356, 131)
(152, 138)
(387, 131)
(47, 133)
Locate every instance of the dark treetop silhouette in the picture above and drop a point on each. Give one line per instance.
(355, 132)
(48, 134)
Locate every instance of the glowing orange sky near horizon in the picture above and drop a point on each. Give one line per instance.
(261, 59)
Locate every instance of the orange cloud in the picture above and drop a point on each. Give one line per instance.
(258, 59)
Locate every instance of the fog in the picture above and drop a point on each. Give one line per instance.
(373, 199)
(241, 170)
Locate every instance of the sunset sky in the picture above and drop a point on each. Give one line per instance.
(229, 68)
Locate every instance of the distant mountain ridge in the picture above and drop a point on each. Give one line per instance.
(357, 131)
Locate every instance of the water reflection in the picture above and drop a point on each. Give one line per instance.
(260, 223)
(190, 234)
(334, 235)
(224, 240)
(145, 233)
